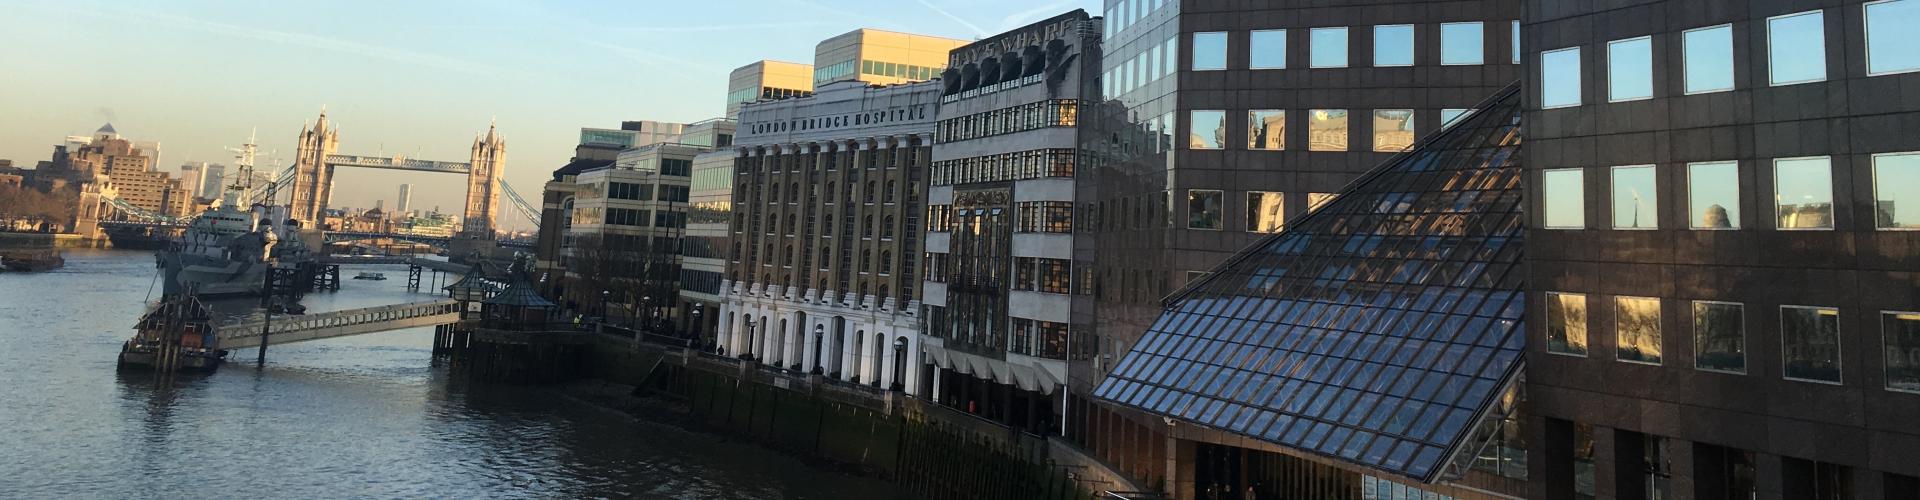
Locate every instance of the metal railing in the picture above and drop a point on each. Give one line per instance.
(338, 319)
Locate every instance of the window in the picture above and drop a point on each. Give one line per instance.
(1901, 332)
(1810, 343)
(1449, 116)
(1719, 336)
(1208, 129)
(1796, 48)
(1892, 45)
(1803, 193)
(1329, 47)
(1709, 59)
(1392, 130)
(1462, 43)
(1393, 45)
(1563, 192)
(1636, 200)
(1630, 69)
(1637, 329)
(1317, 200)
(1203, 209)
(1267, 129)
(1713, 195)
(1560, 78)
(1567, 323)
(1327, 130)
(1896, 183)
(1266, 212)
(1516, 42)
(1210, 50)
(1267, 49)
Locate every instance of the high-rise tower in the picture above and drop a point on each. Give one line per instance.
(312, 180)
(483, 185)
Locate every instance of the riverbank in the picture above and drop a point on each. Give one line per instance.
(924, 449)
(42, 241)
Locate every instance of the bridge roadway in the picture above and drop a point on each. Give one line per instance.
(301, 328)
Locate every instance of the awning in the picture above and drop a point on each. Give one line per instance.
(937, 355)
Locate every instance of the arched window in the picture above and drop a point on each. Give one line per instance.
(793, 192)
(886, 264)
(769, 253)
(830, 192)
(866, 228)
(886, 230)
(787, 258)
(870, 186)
(883, 293)
(863, 290)
(791, 224)
(736, 250)
(866, 260)
(773, 195)
(889, 195)
(822, 287)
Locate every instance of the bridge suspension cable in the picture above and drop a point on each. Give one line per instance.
(521, 205)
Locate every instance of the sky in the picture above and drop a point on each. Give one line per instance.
(419, 78)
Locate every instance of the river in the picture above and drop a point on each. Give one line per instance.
(363, 417)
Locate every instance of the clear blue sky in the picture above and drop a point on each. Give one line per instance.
(414, 77)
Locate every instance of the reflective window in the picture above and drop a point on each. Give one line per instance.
(1636, 201)
(1563, 198)
(1560, 78)
(1709, 59)
(1393, 45)
(1896, 184)
(1810, 343)
(1796, 48)
(1630, 69)
(1267, 49)
(1327, 130)
(1173, 48)
(1208, 129)
(1329, 47)
(1267, 129)
(1713, 195)
(1567, 323)
(1209, 50)
(1516, 42)
(1463, 43)
(1317, 200)
(1448, 116)
(1636, 325)
(1392, 129)
(1203, 209)
(1265, 213)
(1901, 332)
(1892, 44)
(1719, 336)
(1803, 193)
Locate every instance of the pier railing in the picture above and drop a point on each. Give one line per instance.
(300, 328)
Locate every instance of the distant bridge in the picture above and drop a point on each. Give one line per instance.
(336, 324)
(437, 265)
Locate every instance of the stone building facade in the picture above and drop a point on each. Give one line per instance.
(824, 258)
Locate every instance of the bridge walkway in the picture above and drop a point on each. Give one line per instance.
(301, 328)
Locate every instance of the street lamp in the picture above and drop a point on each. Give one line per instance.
(748, 351)
(604, 295)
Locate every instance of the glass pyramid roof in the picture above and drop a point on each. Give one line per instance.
(1376, 331)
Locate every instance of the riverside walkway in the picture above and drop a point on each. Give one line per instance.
(301, 328)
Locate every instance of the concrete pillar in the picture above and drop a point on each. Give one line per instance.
(1606, 480)
(849, 362)
(888, 356)
(1680, 455)
(1768, 475)
(936, 384)
(1180, 460)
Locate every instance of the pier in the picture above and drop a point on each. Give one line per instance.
(336, 324)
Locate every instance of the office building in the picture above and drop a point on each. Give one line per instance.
(1003, 317)
(193, 177)
(823, 270)
(880, 57)
(1222, 123)
(767, 79)
(710, 133)
(621, 249)
(214, 181)
(598, 148)
(403, 204)
(704, 250)
(1722, 284)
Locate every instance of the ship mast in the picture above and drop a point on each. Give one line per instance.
(242, 186)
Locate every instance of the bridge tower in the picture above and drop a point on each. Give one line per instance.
(312, 176)
(489, 163)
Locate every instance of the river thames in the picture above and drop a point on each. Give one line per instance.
(365, 417)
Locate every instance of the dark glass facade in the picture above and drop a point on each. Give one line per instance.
(1377, 331)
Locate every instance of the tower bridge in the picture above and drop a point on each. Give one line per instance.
(317, 158)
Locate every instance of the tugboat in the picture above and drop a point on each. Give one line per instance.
(32, 262)
(176, 335)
